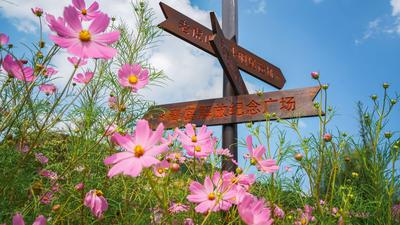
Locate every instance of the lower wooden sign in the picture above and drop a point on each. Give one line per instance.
(237, 109)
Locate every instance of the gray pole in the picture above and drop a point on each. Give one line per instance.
(230, 29)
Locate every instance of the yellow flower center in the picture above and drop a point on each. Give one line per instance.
(84, 35)
(160, 170)
(139, 151)
(235, 180)
(177, 156)
(99, 193)
(253, 161)
(197, 148)
(194, 138)
(133, 79)
(211, 196)
(84, 12)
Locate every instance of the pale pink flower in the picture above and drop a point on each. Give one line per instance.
(111, 129)
(86, 13)
(112, 102)
(23, 148)
(141, 150)
(133, 77)
(170, 139)
(17, 70)
(188, 221)
(288, 169)
(306, 217)
(84, 43)
(178, 207)
(96, 202)
(50, 71)
(199, 144)
(49, 174)
(224, 152)
(3, 39)
(160, 169)
(253, 212)
(213, 196)
(83, 78)
(48, 89)
(242, 180)
(41, 158)
(19, 220)
(176, 157)
(37, 11)
(256, 154)
(77, 62)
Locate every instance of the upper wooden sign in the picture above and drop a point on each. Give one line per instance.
(238, 109)
(198, 35)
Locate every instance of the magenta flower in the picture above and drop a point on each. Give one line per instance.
(37, 11)
(3, 39)
(49, 174)
(77, 62)
(160, 169)
(19, 220)
(17, 70)
(198, 145)
(83, 78)
(188, 221)
(50, 71)
(84, 43)
(178, 207)
(141, 150)
(315, 75)
(48, 89)
(213, 196)
(86, 13)
(41, 158)
(253, 212)
(133, 77)
(80, 186)
(278, 212)
(96, 202)
(47, 198)
(256, 154)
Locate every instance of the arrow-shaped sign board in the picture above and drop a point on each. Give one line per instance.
(238, 109)
(198, 35)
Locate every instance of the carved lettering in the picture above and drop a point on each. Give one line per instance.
(288, 103)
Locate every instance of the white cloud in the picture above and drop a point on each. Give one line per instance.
(258, 7)
(193, 73)
(396, 7)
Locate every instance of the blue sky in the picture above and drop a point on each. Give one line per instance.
(335, 37)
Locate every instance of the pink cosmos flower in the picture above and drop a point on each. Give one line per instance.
(49, 174)
(112, 102)
(80, 186)
(256, 154)
(176, 157)
(111, 129)
(83, 78)
(224, 152)
(48, 89)
(17, 70)
(50, 71)
(84, 43)
(86, 13)
(133, 77)
(96, 202)
(315, 75)
(200, 144)
(3, 39)
(242, 180)
(141, 150)
(41, 158)
(278, 212)
(37, 11)
(214, 195)
(19, 220)
(160, 169)
(178, 207)
(188, 221)
(77, 62)
(47, 198)
(170, 139)
(253, 212)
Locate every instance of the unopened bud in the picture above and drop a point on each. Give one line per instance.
(41, 44)
(385, 85)
(315, 75)
(298, 156)
(374, 97)
(393, 101)
(388, 135)
(325, 86)
(239, 170)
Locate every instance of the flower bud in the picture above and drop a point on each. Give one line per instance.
(315, 75)
(79, 187)
(56, 207)
(298, 156)
(327, 137)
(385, 85)
(393, 101)
(239, 170)
(113, 19)
(253, 161)
(325, 86)
(175, 167)
(316, 105)
(374, 97)
(388, 135)
(41, 44)
(354, 174)
(347, 159)
(10, 45)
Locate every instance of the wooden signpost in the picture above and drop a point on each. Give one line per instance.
(237, 105)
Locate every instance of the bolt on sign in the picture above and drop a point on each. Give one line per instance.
(243, 107)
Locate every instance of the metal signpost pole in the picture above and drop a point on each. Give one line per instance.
(230, 30)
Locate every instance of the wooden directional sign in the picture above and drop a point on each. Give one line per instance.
(226, 59)
(238, 109)
(198, 35)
